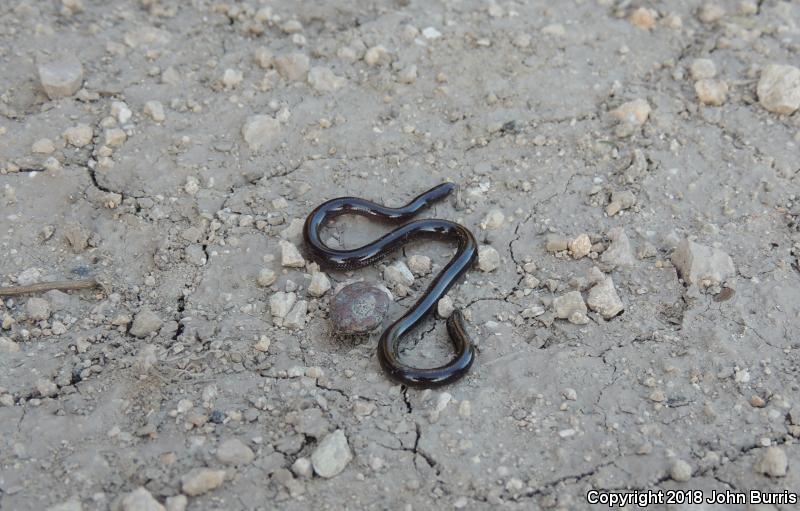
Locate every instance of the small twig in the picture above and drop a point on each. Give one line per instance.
(42, 287)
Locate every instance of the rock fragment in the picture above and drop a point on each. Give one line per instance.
(779, 89)
(710, 13)
(177, 503)
(643, 18)
(261, 131)
(296, 318)
(319, 285)
(145, 323)
(680, 471)
(620, 200)
(37, 309)
(322, 79)
(69, 505)
(419, 264)
(155, 110)
(568, 304)
(699, 264)
(580, 246)
(398, 273)
(556, 243)
(234, 452)
(290, 255)
(332, 455)
(140, 500)
(79, 136)
(619, 253)
(703, 69)
(302, 467)
(603, 299)
(266, 277)
(115, 137)
(231, 78)
(280, 304)
(711, 92)
(201, 480)
(61, 76)
(445, 307)
(493, 220)
(293, 67)
(488, 258)
(358, 308)
(773, 462)
(43, 146)
(376, 56)
(633, 112)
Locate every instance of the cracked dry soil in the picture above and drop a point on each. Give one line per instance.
(137, 383)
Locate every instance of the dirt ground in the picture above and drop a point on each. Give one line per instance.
(186, 140)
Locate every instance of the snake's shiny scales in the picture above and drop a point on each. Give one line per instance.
(389, 344)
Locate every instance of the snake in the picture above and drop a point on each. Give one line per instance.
(431, 229)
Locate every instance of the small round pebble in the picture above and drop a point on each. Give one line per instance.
(358, 308)
(680, 471)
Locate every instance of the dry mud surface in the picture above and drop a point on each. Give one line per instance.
(156, 179)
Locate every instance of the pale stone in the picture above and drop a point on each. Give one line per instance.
(488, 258)
(264, 58)
(603, 299)
(773, 462)
(633, 112)
(43, 146)
(281, 303)
(331, 455)
(493, 220)
(697, 263)
(398, 273)
(445, 307)
(711, 92)
(140, 500)
(703, 69)
(779, 89)
(408, 74)
(567, 304)
(115, 137)
(619, 253)
(290, 255)
(296, 318)
(377, 55)
(234, 452)
(643, 18)
(145, 323)
(580, 246)
(201, 480)
(261, 131)
(79, 136)
(556, 243)
(419, 264)
(319, 285)
(266, 277)
(37, 309)
(680, 471)
(155, 110)
(323, 79)
(231, 78)
(293, 67)
(61, 76)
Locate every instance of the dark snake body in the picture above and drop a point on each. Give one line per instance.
(389, 344)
